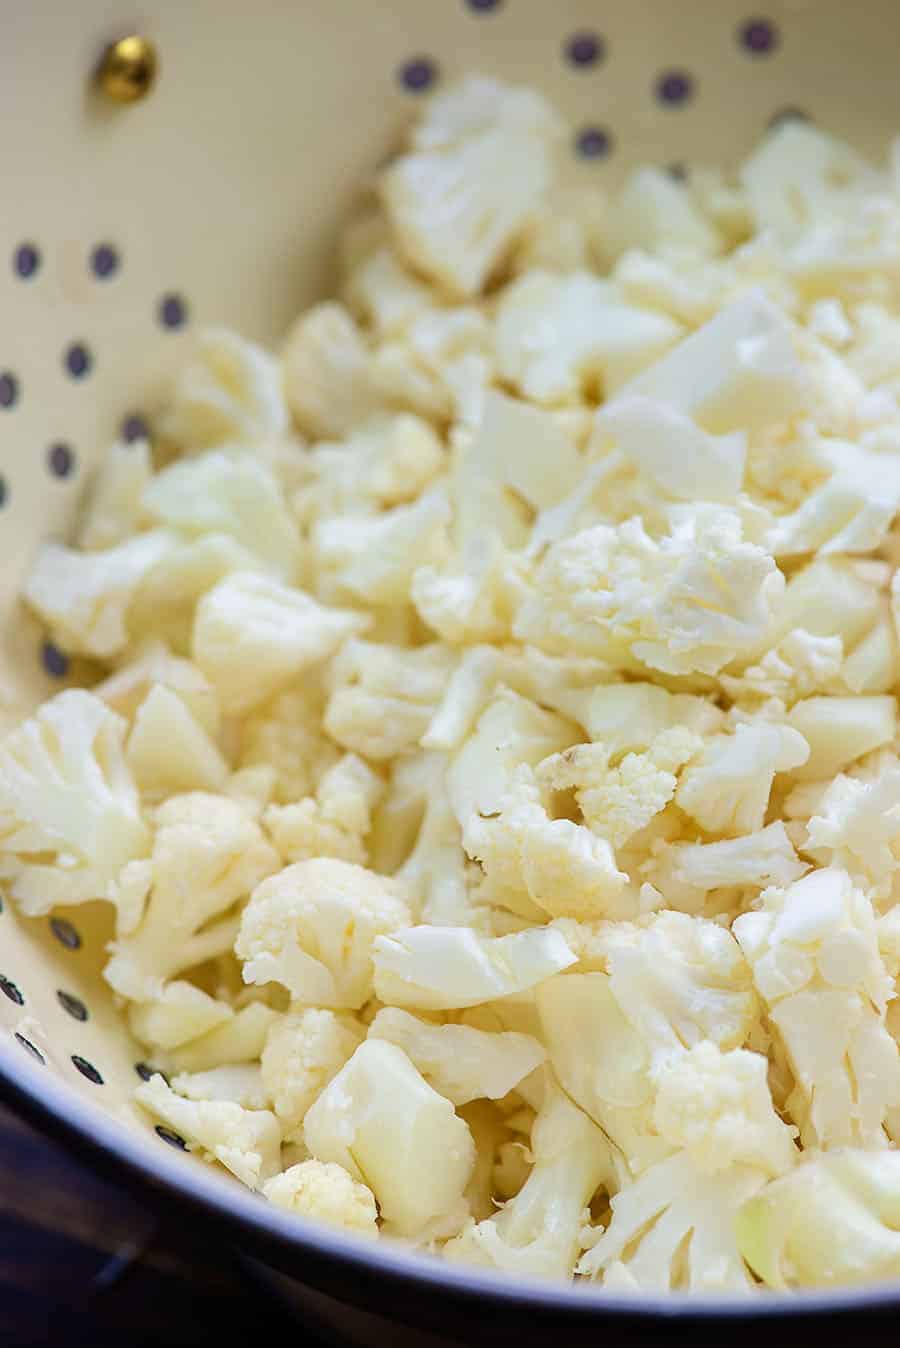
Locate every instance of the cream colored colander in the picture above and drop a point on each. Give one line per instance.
(215, 199)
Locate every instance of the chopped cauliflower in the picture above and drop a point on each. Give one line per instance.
(313, 928)
(236, 1042)
(328, 380)
(303, 1051)
(246, 1141)
(372, 559)
(114, 511)
(239, 1082)
(325, 1192)
(228, 392)
(169, 751)
(286, 735)
(153, 665)
(478, 166)
(389, 1129)
(334, 823)
(383, 696)
(726, 789)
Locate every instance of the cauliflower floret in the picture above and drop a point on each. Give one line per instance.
(169, 751)
(246, 1141)
(857, 825)
(153, 665)
(434, 872)
(480, 161)
(178, 1015)
(237, 1041)
(813, 948)
(444, 968)
(84, 597)
(229, 493)
(839, 730)
(387, 463)
(628, 717)
(241, 1083)
(325, 1192)
(207, 854)
(336, 822)
(617, 802)
(674, 1228)
(673, 452)
(381, 1120)
(561, 338)
(383, 697)
(286, 734)
(538, 1231)
(727, 788)
(229, 391)
(685, 873)
(690, 602)
(655, 212)
(327, 374)
(70, 819)
(799, 665)
(717, 1106)
(114, 510)
(304, 1050)
(373, 559)
(460, 1062)
(312, 928)
(253, 635)
(834, 1219)
(740, 372)
(383, 294)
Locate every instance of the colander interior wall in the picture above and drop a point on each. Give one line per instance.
(216, 200)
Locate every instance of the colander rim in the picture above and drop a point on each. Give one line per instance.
(63, 1115)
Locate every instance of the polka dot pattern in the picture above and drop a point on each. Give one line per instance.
(30, 1048)
(60, 460)
(146, 1070)
(674, 87)
(104, 261)
(65, 933)
(593, 142)
(758, 37)
(77, 360)
(134, 427)
(418, 74)
(87, 1069)
(9, 389)
(172, 311)
(483, 6)
(72, 1004)
(4, 491)
(55, 661)
(584, 49)
(26, 261)
(11, 990)
(173, 1139)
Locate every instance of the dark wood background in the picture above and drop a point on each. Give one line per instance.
(81, 1262)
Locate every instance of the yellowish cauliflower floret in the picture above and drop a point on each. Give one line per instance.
(383, 697)
(327, 374)
(286, 734)
(312, 928)
(303, 1051)
(726, 789)
(334, 823)
(387, 463)
(228, 392)
(325, 1192)
(114, 511)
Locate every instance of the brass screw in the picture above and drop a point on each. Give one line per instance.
(128, 69)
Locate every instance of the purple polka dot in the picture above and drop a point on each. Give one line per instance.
(65, 933)
(60, 460)
(72, 1004)
(104, 261)
(4, 491)
(585, 49)
(146, 1070)
(758, 36)
(134, 428)
(31, 1048)
(483, 6)
(593, 142)
(56, 663)
(788, 115)
(10, 990)
(9, 389)
(173, 1139)
(678, 172)
(418, 74)
(26, 260)
(87, 1069)
(674, 87)
(172, 311)
(78, 360)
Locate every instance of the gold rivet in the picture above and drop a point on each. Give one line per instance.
(128, 69)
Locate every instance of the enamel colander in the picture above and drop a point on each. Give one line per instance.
(135, 209)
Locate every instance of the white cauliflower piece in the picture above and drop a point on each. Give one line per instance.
(325, 1192)
(561, 338)
(717, 1106)
(480, 161)
(83, 597)
(327, 374)
(227, 392)
(169, 751)
(857, 825)
(674, 1228)
(434, 870)
(334, 823)
(389, 462)
(526, 450)
(253, 635)
(685, 873)
(538, 1231)
(239, 1082)
(800, 664)
(285, 734)
(787, 1232)
(114, 512)
(179, 1014)
(688, 603)
(236, 1042)
(70, 818)
(229, 493)
(628, 717)
(741, 371)
(726, 789)
(207, 854)
(813, 948)
(839, 730)
(459, 1061)
(153, 665)
(373, 559)
(617, 802)
(304, 1050)
(672, 451)
(445, 968)
(390, 1130)
(313, 927)
(654, 212)
(383, 697)
(384, 294)
(246, 1141)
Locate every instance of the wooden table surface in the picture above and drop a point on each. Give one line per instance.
(81, 1262)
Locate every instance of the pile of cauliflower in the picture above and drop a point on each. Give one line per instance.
(491, 747)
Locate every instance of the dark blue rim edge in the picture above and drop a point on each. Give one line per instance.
(317, 1257)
